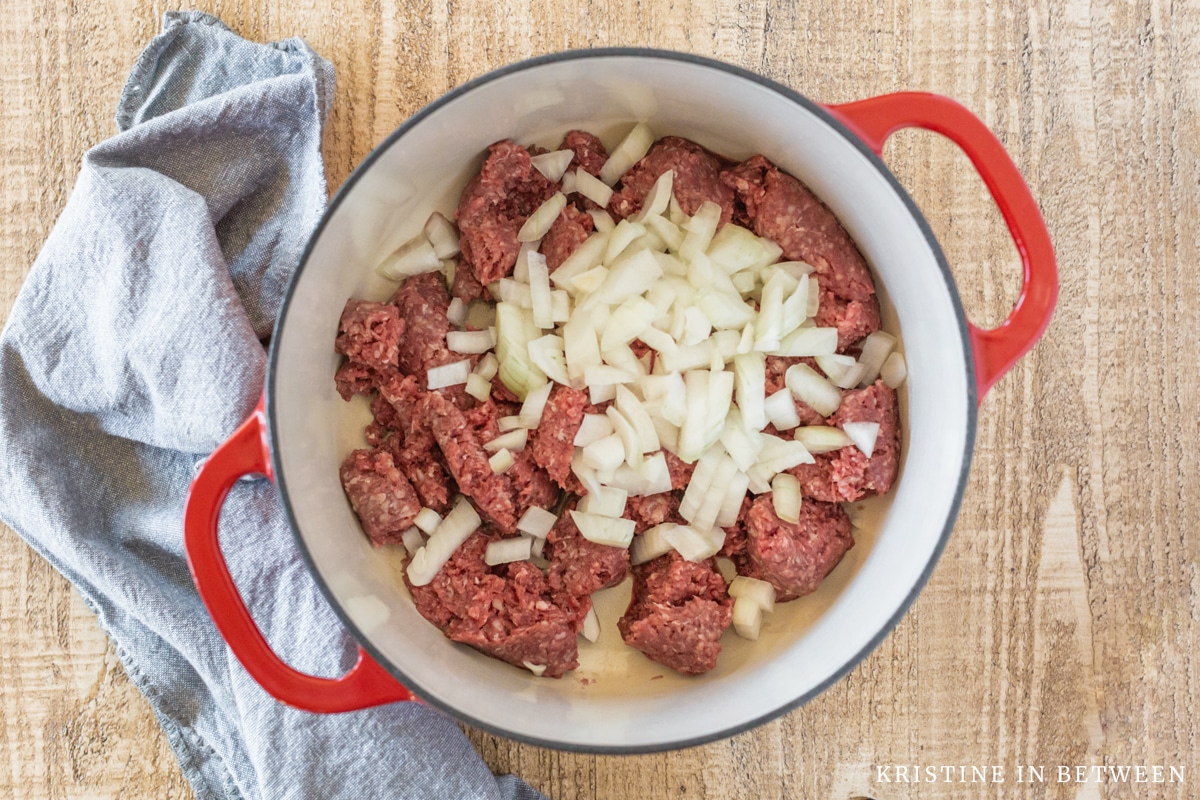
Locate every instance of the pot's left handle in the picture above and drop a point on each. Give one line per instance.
(245, 453)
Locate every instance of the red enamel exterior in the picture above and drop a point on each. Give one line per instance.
(996, 350)
(245, 453)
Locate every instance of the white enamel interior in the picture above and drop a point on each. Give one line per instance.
(617, 698)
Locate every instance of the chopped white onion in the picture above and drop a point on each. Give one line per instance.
(501, 461)
(459, 524)
(514, 331)
(593, 188)
(657, 199)
(785, 495)
(601, 219)
(734, 248)
(605, 375)
(507, 424)
(731, 505)
(626, 433)
(479, 387)
(514, 292)
(536, 669)
(505, 551)
(587, 256)
(546, 353)
(780, 410)
(601, 393)
(863, 434)
(750, 386)
(414, 257)
(724, 310)
(656, 476)
(487, 366)
(606, 454)
(808, 386)
(742, 443)
(457, 312)
(780, 454)
(593, 428)
(568, 183)
(671, 235)
(823, 438)
(472, 342)
(441, 235)
(693, 543)
(560, 306)
(542, 218)
(536, 522)
(615, 532)
(608, 502)
(700, 229)
(808, 342)
(747, 618)
(622, 236)
(448, 375)
(514, 441)
(591, 625)
(715, 499)
(651, 544)
(632, 148)
(535, 403)
(894, 370)
(759, 592)
(535, 553)
(553, 164)
(412, 539)
(633, 410)
(427, 520)
(539, 291)
(627, 322)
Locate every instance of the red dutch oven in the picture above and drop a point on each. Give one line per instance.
(618, 701)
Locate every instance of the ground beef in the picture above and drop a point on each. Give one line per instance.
(779, 207)
(578, 566)
(553, 443)
(697, 178)
(735, 534)
(413, 446)
(508, 611)
(354, 378)
(493, 207)
(677, 614)
(794, 558)
(653, 509)
(847, 474)
(680, 470)
(853, 319)
(569, 230)
(369, 333)
(466, 287)
(590, 154)
(381, 496)
(423, 301)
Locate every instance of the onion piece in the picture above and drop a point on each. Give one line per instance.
(608, 502)
(471, 342)
(453, 374)
(807, 342)
(591, 625)
(657, 199)
(823, 438)
(750, 386)
(546, 353)
(593, 188)
(505, 551)
(863, 434)
(536, 522)
(506, 424)
(593, 428)
(581, 348)
(731, 505)
(628, 436)
(604, 375)
(457, 312)
(501, 461)
(567, 186)
(622, 236)
(414, 257)
(734, 248)
(894, 370)
(759, 592)
(806, 385)
(536, 669)
(412, 540)
(602, 220)
(535, 553)
(560, 306)
(602, 393)
(615, 532)
(539, 291)
(627, 322)
(533, 406)
(742, 444)
(700, 482)
(442, 236)
(514, 441)
(700, 229)
(632, 148)
(715, 498)
(780, 454)
(478, 387)
(587, 256)
(553, 164)
(780, 410)
(795, 308)
(633, 410)
(694, 544)
(459, 524)
(724, 310)
(513, 291)
(605, 454)
(671, 234)
(542, 218)
(747, 618)
(651, 544)
(514, 332)
(587, 475)
(655, 474)
(487, 366)
(785, 495)
(590, 281)
(768, 328)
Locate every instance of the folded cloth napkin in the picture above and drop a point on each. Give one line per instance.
(132, 351)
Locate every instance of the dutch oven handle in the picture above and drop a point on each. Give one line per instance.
(245, 453)
(996, 350)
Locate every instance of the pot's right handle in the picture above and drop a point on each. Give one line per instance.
(245, 453)
(996, 350)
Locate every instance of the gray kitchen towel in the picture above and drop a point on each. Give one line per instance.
(133, 350)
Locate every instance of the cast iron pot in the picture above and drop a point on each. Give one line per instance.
(618, 701)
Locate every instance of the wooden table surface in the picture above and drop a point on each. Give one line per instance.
(1062, 624)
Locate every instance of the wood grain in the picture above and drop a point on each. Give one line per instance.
(1062, 625)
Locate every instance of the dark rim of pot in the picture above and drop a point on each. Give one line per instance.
(831, 121)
